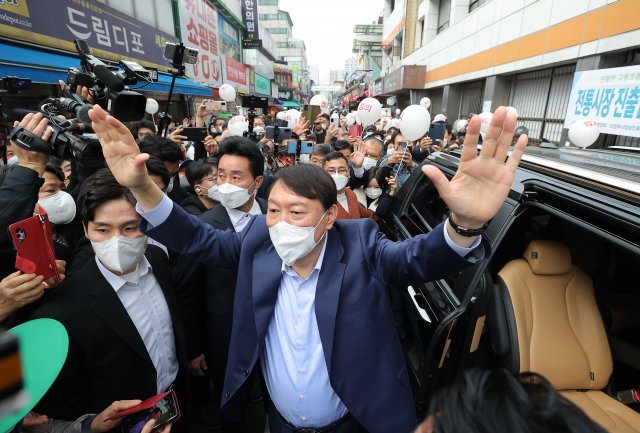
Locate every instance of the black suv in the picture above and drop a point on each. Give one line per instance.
(560, 295)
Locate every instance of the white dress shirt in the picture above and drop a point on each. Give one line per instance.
(142, 297)
(240, 219)
(292, 359)
(342, 201)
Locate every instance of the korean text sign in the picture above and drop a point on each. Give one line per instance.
(111, 34)
(199, 24)
(611, 97)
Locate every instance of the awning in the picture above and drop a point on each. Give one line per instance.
(47, 67)
(291, 104)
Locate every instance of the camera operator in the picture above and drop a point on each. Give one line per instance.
(19, 188)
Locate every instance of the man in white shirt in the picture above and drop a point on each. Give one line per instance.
(118, 309)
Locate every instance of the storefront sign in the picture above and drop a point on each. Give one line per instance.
(262, 85)
(111, 34)
(229, 39)
(295, 75)
(611, 97)
(250, 19)
(199, 22)
(235, 73)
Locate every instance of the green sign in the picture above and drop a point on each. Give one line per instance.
(262, 85)
(295, 75)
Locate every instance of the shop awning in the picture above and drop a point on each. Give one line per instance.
(291, 104)
(47, 67)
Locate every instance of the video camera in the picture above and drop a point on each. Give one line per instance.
(109, 86)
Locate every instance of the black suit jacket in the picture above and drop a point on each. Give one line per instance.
(206, 295)
(107, 358)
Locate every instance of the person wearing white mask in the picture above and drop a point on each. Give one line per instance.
(208, 329)
(119, 310)
(311, 308)
(202, 175)
(337, 166)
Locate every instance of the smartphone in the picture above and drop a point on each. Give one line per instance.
(284, 132)
(436, 131)
(306, 147)
(162, 407)
(216, 105)
(355, 131)
(404, 144)
(33, 241)
(292, 147)
(311, 112)
(335, 121)
(279, 123)
(194, 133)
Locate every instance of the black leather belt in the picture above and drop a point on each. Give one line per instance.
(326, 429)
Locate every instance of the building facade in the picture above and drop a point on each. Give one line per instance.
(471, 56)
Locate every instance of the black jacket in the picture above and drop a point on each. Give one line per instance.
(206, 296)
(107, 359)
(193, 205)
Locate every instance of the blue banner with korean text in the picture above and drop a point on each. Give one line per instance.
(112, 35)
(611, 97)
(250, 19)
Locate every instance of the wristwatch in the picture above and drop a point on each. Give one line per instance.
(470, 233)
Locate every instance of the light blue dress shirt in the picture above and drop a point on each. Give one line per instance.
(292, 358)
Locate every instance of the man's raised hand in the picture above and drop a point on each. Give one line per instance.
(481, 184)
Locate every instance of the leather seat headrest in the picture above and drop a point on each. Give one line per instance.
(548, 258)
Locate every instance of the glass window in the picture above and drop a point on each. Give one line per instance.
(475, 4)
(124, 6)
(164, 13)
(145, 11)
(444, 11)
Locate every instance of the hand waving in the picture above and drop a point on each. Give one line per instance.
(482, 182)
(357, 157)
(119, 149)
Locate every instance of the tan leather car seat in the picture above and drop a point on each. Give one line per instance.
(560, 332)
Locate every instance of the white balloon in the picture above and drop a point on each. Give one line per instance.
(485, 121)
(584, 132)
(395, 123)
(292, 116)
(414, 122)
(512, 110)
(152, 106)
(425, 102)
(350, 119)
(369, 111)
(281, 115)
(387, 122)
(227, 92)
(398, 111)
(320, 100)
(238, 125)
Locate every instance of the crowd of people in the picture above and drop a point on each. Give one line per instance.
(224, 272)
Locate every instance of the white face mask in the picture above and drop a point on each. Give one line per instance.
(304, 158)
(340, 180)
(369, 163)
(60, 207)
(373, 193)
(213, 193)
(293, 242)
(120, 253)
(232, 196)
(13, 160)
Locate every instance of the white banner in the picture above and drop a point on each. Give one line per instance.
(199, 26)
(611, 97)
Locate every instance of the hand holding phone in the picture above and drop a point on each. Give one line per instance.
(163, 408)
(33, 240)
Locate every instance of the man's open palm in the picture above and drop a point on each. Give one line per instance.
(481, 184)
(119, 149)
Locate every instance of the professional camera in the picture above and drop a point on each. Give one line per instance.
(108, 86)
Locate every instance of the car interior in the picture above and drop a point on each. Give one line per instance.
(558, 298)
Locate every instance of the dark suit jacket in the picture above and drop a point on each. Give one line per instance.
(107, 358)
(359, 340)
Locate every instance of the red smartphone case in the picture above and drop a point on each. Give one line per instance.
(34, 244)
(355, 131)
(147, 404)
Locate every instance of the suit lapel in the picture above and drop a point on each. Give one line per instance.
(221, 218)
(267, 271)
(328, 293)
(107, 306)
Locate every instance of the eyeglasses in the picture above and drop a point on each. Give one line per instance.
(342, 171)
(210, 179)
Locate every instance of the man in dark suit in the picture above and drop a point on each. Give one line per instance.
(311, 309)
(206, 291)
(119, 311)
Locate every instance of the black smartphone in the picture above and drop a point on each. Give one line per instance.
(164, 411)
(194, 133)
(284, 133)
(292, 147)
(436, 131)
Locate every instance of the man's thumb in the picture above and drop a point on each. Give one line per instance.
(437, 177)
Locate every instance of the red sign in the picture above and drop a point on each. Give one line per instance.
(236, 71)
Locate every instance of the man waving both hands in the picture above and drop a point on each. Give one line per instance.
(311, 304)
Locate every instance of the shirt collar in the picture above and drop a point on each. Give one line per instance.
(116, 281)
(289, 271)
(236, 215)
